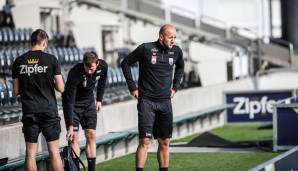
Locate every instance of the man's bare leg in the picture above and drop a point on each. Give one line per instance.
(163, 153)
(30, 162)
(91, 148)
(56, 162)
(141, 153)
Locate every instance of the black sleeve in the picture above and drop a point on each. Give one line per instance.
(102, 81)
(68, 97)
(130, 59)
(179, 70)
(56, 67)
(15, 70)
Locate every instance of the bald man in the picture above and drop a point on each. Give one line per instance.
(155, 89)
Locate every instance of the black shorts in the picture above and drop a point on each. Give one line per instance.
(47, 123)
(155, 118)
(85, 115)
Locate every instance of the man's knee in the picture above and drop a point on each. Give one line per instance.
(54, 152)
(164, 143)
(53, 148)
(90, 135)
(30, 154)
(31, 150)
(144, 142)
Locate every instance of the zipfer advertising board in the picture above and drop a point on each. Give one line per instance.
(285, 119)
(253, 106)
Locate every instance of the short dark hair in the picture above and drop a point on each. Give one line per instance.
(90, 58)
(38, 36)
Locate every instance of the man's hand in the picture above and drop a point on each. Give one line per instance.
(98, 106)
(135, 93)
(69, 135)
(173, 92)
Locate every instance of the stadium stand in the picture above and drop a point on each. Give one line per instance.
(68, 56)
(15, 41)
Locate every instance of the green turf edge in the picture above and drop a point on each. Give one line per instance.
(193, 162)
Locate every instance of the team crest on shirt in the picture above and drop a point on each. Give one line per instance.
(153, 59)
(171, 61)
(171, 53)
(154, 50)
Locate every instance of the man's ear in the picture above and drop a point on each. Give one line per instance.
(161, 37)
(44, 43)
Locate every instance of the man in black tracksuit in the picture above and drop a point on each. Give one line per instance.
(79, 106)
(154, 92)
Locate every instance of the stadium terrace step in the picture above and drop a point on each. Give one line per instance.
(195, 115)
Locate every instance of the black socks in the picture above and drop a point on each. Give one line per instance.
(91, 164)
(160, 169)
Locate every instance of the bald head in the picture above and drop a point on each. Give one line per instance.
(163, 29)
(167, 35)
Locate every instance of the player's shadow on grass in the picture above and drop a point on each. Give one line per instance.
(208, 139)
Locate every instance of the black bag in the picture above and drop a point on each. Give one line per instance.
(68, 159)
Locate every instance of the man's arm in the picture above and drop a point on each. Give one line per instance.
(101, 85)
(68, 98)
(132, 58)
(179, 70)
(59, 83)
(15, 78)
(58, 79)
(16, 86)
(68, 101)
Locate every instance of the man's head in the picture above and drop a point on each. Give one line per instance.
(90, 62)
(167, 35)
(39, 40)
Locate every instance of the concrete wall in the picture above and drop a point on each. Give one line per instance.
(88, 23)
(286, 80)
(141, 32)
(208, 58)
(26, 15)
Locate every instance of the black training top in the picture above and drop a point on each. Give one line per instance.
(79, 88)
(35, 71)
(155, 70)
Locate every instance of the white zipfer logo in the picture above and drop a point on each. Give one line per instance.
(35, 69)
(245, 106)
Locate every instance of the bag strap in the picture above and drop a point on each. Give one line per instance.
(80, 161)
